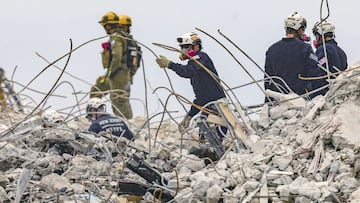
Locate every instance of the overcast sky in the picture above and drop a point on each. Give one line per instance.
(46, 26)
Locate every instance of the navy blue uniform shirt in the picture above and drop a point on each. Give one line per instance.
(287, 58)
(335, 54)
(336, 57)
(205, 87)
(111, 124)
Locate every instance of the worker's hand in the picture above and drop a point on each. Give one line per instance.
(162, 61)
(184, 124)
(183, 57)
(101, 79)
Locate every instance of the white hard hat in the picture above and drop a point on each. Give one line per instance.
(94, 103)
(295, 21)
(324, 27)
(52, 118)
(189, 38)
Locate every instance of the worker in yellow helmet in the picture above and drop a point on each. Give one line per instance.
(134, 51)
(126, 22)
(2, 96)
(9, 94)
(114, 60)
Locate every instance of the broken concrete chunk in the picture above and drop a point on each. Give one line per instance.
(55, 182)
(313, 111)
(347, 135)
(282, 162)
(239, 191)
(264, 120)
(355, 196)
(214, 193)
(292, 100)
(349, 185)
(291, 113)
(277, 112)
(201, 185)
(193, 162)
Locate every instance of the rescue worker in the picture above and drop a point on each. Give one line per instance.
(51, 118)
(335, 56)
(104, 122)
(114, 60)
(291, 56)
(55, 138)
(2, 96)
(205, 87)
(135, 53)
(9, 94)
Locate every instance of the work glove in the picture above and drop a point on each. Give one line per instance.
(184, 124)
(101, 79)
(162, 61)
(183, 57)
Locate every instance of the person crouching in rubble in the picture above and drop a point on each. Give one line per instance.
(104, 122)
(51, 118)
(52, 138)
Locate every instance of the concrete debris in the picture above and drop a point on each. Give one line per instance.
(301, 151)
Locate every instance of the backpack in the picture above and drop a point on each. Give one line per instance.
(134, 54)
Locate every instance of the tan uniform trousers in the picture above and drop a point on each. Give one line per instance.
(119, 94)
(100, 88)
(2, 99)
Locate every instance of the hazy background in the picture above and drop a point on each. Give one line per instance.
(45, 26)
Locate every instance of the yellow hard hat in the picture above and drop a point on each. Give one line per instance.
(109, 18)
(125, 20)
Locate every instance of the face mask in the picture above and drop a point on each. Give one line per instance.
(106, 45)
(316, 44)
(191, 52)
(305, 38)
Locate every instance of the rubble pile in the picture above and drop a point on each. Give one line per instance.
(306, 152)
(302, 151)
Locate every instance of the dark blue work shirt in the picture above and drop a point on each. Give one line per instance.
(111, 124)
(335, 54)
(205, 87)
(336, 57)
(288, 58)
